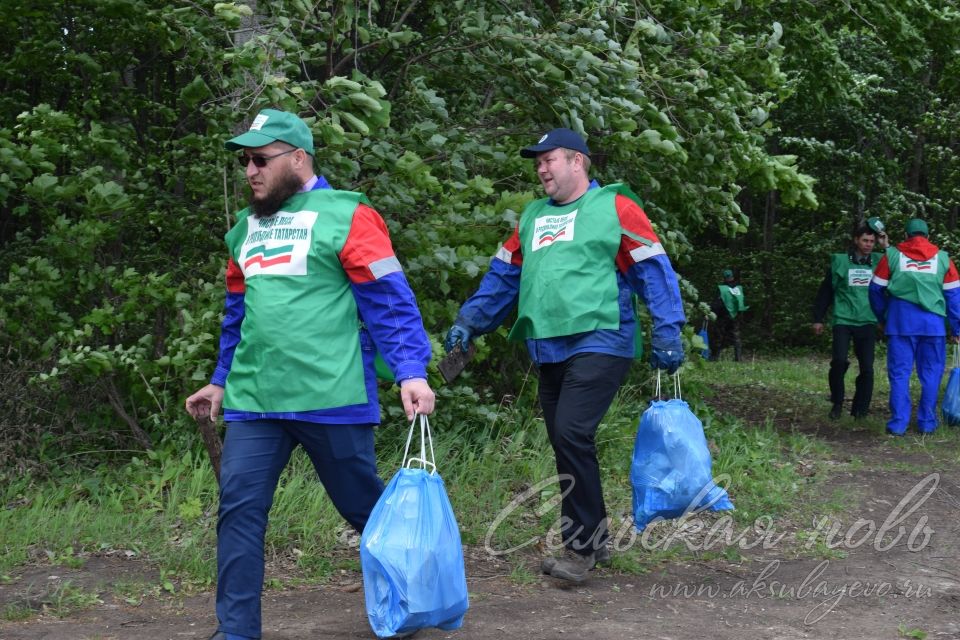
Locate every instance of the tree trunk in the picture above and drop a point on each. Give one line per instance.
(770, 214)
(915, 174)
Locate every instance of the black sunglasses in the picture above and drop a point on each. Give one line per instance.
(260, 161)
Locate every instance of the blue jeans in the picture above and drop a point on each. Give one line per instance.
(254, 454)
(929, 353)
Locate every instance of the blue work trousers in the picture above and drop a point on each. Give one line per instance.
(929, 354)
(254, 454)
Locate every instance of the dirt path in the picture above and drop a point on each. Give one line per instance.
(893, 581)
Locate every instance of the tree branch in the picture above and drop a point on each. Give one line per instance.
(113, 395)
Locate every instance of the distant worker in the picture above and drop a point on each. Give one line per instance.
(846, 286)
(915, 288)
(728, 307)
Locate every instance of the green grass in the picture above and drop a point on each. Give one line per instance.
(162, 508)
(62, 599)
(14, 612)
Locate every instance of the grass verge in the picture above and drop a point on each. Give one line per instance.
(162, 507)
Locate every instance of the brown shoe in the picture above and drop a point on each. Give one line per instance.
(601, 555)
(572, 566)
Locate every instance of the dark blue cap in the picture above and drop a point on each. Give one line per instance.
(557, 139)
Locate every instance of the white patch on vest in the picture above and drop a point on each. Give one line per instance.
(859, 277)
(278, 245)
(258, 122)
(735, 290)
(929, 267)
(550, 229)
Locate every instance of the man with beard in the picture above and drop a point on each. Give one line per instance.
(314, 290)
(915, 293)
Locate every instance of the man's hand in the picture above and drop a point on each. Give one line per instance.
(817, 328)
(206, 403)
(457, 334)
(417, 397)
(955, 339)
(667, 355)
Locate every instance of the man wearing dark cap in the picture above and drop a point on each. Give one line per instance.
(914, 292)
(728, 307)
(845, 286)
(314, 290)
(571, 267)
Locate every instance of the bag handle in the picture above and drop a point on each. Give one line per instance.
(425, 437)
(676, 385)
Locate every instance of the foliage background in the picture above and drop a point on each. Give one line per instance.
(758, 132)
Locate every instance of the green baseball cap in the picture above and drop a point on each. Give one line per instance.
(272, 125)
(876, 224)
(915, 226)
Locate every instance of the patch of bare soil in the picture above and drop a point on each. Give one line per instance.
(893, 573)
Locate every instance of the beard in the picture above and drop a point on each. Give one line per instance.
(287, 185)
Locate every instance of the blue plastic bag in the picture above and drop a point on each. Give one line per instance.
(410, 552)
(950, 405)
(705, 352)
(671, 471)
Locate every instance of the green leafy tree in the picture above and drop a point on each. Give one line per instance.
(115, 189)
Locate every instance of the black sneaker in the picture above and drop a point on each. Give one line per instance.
(836, 411)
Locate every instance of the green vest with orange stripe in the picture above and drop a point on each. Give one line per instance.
(919, 281)
(299, 346)
(568, 282)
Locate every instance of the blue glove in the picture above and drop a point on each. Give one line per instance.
(667, 356)
(457, 334)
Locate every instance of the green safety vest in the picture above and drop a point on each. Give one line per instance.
(568, 282)
(299, 346)
(851, 290)
(733, 299)
(919, 281)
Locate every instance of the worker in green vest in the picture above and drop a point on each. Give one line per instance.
(728, 307)
(846, 287)
(314, 291)
(571, 268)
(915, 295)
